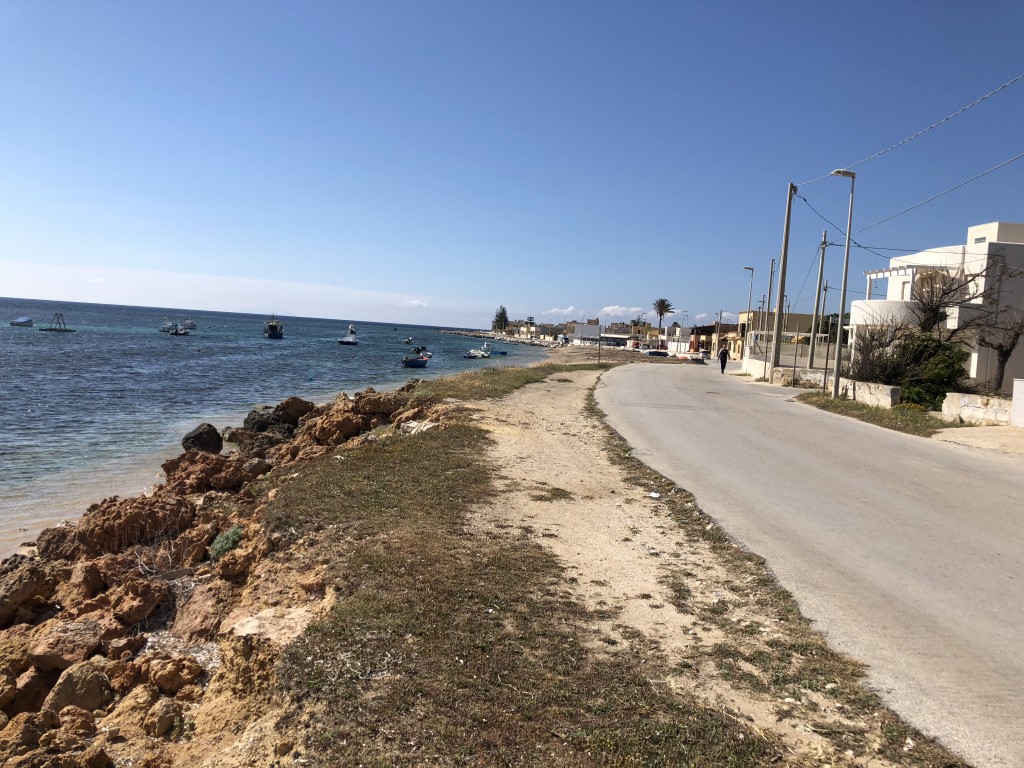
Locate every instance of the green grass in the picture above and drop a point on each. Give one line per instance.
(911, 420)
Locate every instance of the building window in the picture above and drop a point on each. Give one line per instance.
(980, 239)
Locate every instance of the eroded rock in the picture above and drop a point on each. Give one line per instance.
(26, 589)
(198, 472)
(63, 643)
(84, 685)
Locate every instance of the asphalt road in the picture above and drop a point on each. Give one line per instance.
(908, 553)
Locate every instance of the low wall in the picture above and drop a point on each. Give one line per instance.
(878, 395)
(1017, 412)
(976, 409)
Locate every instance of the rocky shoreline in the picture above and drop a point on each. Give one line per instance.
(152, 615)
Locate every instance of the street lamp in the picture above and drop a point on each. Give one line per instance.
(842, 291)
(750, 293)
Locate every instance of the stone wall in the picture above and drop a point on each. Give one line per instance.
(1017, 412)
(878, 395)
(976, 409)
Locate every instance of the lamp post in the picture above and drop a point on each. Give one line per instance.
(750, 293)
(842, 291)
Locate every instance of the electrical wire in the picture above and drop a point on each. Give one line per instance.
(841, 230)
(946, 192)
(924, 131)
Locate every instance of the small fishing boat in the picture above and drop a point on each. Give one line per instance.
(350, 340)
(414, 362)
(407, 340)
(168, 326)
(486, 347)
(477, 354)
(273, 328)
(22, 322)
(179, 330)
(189, 324)
(57, 325)
(422, 352)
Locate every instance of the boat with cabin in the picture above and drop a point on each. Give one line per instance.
(22, 322)
(414, 362)
(273, 328)
(350, 340)
(189, 324)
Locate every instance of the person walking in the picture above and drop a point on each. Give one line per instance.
(723, 357)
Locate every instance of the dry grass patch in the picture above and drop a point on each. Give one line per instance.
(910, 419)
(770, 649)
(452, 647)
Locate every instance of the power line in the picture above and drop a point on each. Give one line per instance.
(924, 131)
(841, 230)
(946, 192)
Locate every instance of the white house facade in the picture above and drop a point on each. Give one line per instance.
(992, 260)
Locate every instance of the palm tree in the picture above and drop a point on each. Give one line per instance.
(662, 307)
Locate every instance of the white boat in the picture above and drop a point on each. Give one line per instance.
(22, 322)
(168, 326)
(189, 324)
(477, 354)
(351, 340)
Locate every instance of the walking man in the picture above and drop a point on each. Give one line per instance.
(723, 357)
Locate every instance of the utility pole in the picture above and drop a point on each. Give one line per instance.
(768, 304)
(817, 299)
(767, 313)
(777, 333)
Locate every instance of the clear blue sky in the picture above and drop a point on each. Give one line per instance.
(427, 161)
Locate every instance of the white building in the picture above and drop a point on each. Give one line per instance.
(992, 259)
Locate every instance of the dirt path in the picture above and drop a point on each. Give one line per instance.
(622, 549)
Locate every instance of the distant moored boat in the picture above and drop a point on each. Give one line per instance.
(22, 322)
(57, 325)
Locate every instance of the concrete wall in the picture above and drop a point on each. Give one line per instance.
(1017, 411)
(976, 409)
(877, 395)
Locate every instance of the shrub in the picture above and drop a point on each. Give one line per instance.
(225, 542)
(923, 366)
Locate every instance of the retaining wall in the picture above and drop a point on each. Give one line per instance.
(878, 395)
(976, 409)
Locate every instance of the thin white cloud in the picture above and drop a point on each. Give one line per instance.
(730, 317)
(616, 312)
(556, 312)
(701, 318)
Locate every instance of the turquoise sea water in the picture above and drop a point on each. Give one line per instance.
(89, 414)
